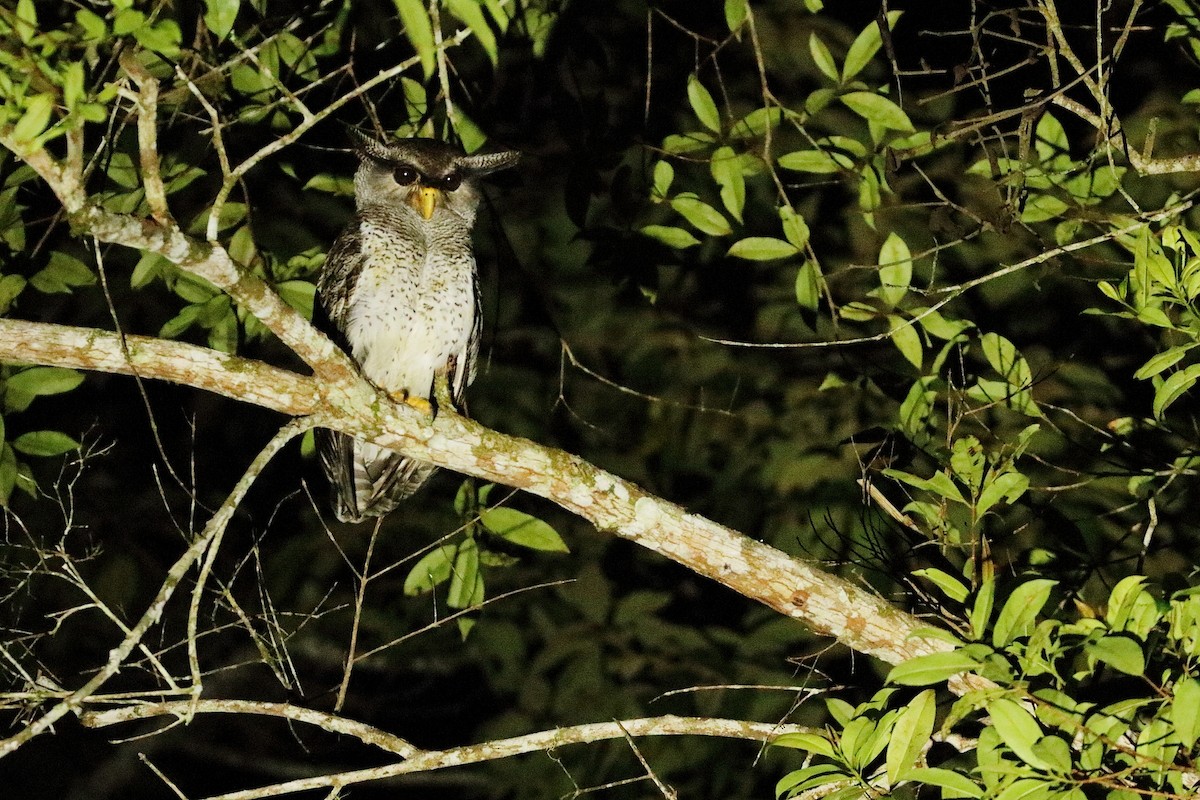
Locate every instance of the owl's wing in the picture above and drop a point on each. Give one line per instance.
(335, 283)
(463, 369)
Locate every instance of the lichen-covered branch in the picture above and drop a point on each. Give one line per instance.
(177, 362)
(826, 603)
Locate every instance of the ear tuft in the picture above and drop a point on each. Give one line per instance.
(366, 146)
(483, 163)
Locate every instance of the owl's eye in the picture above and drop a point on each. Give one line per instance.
(450, 182)
(404, 175)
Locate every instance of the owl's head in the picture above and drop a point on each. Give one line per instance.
(426, 175)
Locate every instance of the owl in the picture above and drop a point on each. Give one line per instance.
(399, 292)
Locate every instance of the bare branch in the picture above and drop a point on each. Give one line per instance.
(118, 655)
(146, 102)
(427, 761)
(184, 708)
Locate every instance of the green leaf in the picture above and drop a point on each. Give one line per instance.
(1185, 711)
(419, 31)
(61, 274)
(219, 16)
(163, 37)
(471, 13)
(810, 742)
(795, 229)
(726, 168)
(1055, 751)
(34, 120)
(1121, 653)
(1003, 357)
(37, 381)
(671, 236)
(1029, 789)
(127, 21)
(1122, 599)
(702, 104)
(878, 109)
(701, 215)
(687, 142)
(895, 270)
(803, 780)
(822, 57)
(466, 580)
(981, 609)
(8, 473)
(1007, 486)
(44, 443)
(907, 340)
(299, 295)
(73, 88)
(94, 27)
(180, 323)
(938, 326)
(1018, 729)
(817, 161)
(959, 784)
(939, 484)
(431, 569)
(470, 134)
(808, 286)
(522, 529)
(864, 739)
(10, 287)
(762, 248)
(1051, 142)
(342, 185)
(865, 46)
(1163, 361)
(736, 12)
(951, 586)
(27, 24)
(757, 122)
(1175, 386)
(930, 669)
(1020, 611)
(914, 726)
(664, 175)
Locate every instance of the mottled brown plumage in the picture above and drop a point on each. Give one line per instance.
(399, 291)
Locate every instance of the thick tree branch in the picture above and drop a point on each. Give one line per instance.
(177, 362)
(827, 603)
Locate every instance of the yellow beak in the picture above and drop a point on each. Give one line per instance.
(425, 200)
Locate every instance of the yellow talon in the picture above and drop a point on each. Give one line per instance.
(419, 403)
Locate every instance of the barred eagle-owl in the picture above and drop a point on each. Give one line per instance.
(399, 292)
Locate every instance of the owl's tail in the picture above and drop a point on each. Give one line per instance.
(367, 480)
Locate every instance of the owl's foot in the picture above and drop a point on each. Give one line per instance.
(419, 403)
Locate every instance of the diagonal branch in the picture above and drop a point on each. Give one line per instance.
(427, 761)
(828, 604)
